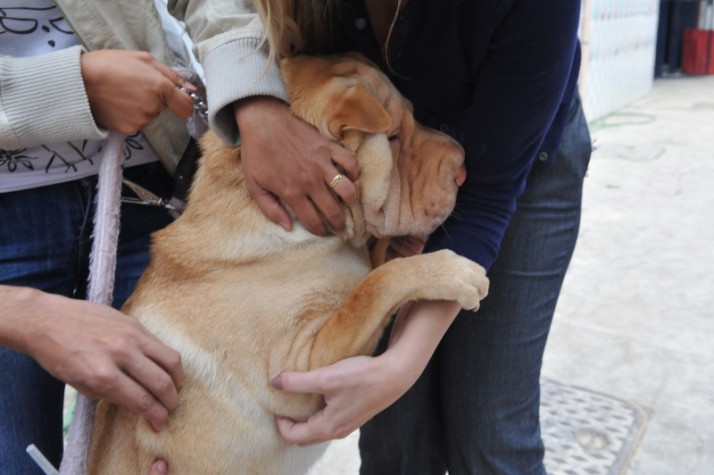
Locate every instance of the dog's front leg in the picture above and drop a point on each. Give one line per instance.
(356, 326)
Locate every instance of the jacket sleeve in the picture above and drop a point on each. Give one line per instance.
(230, 44)
(518, 89)
(43, 100)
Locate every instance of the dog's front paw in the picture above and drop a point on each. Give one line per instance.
(447, 276)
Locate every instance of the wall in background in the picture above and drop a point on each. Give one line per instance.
(619, 39)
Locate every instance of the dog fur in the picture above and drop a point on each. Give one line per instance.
(242, 299)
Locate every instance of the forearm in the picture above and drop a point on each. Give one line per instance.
(60, 113)
(355, 389)
(417, 331)
(19, 313)
(230, 46)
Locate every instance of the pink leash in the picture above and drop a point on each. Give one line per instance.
(102, 268)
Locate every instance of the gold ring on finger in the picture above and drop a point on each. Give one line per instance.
(336, 180)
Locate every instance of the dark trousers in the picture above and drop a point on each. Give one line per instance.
(475, 409)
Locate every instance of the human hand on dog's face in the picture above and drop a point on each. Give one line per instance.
(284, 157)
(96, 349)
(127, 89)
(356, 389)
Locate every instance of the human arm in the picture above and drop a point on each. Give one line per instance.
(355, 389)
(94, 348)
(285, 161)
(228, 39)
(83, 95)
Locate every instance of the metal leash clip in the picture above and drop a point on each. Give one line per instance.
(199, 104)
(145, 197)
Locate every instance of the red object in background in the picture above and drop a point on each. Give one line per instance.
(698, 51)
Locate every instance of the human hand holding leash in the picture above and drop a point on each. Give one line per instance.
(98, 350)
(285, 158)
(356, 389)
(127, 89)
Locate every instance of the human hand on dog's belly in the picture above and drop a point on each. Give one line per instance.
(98, 350)
(285, 157)
(356, 389)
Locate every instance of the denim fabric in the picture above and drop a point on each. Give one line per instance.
(45, 239)
(475, 410)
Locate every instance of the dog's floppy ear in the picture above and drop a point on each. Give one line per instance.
(358, 109)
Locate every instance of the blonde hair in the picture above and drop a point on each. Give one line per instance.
(296, 26)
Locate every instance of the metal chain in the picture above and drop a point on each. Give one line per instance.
(199, 104)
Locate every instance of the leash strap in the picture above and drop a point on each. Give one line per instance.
(101, 288)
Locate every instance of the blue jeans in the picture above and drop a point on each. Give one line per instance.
(45, 239)
(475, 409)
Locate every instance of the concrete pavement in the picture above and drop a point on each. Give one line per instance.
(636, 316)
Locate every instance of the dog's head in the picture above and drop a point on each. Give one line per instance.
(409, 174)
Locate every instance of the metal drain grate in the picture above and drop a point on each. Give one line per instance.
(585, 432)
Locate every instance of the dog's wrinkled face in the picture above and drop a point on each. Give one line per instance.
(409, 173)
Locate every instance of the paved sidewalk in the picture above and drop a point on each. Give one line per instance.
(636, 317)
(629, 367)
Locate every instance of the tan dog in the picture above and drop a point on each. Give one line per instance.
(243, 300)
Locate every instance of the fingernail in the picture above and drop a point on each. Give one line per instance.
(157, 426)
(190, 86)
(277, 383)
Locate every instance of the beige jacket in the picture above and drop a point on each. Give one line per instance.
(43, 101)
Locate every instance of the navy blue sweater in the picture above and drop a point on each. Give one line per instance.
(498, 76)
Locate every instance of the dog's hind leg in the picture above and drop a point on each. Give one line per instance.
(358, 323)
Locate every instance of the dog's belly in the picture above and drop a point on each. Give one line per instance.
(235, 332)
(225, 424)
(230, 436)
(202, 437)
